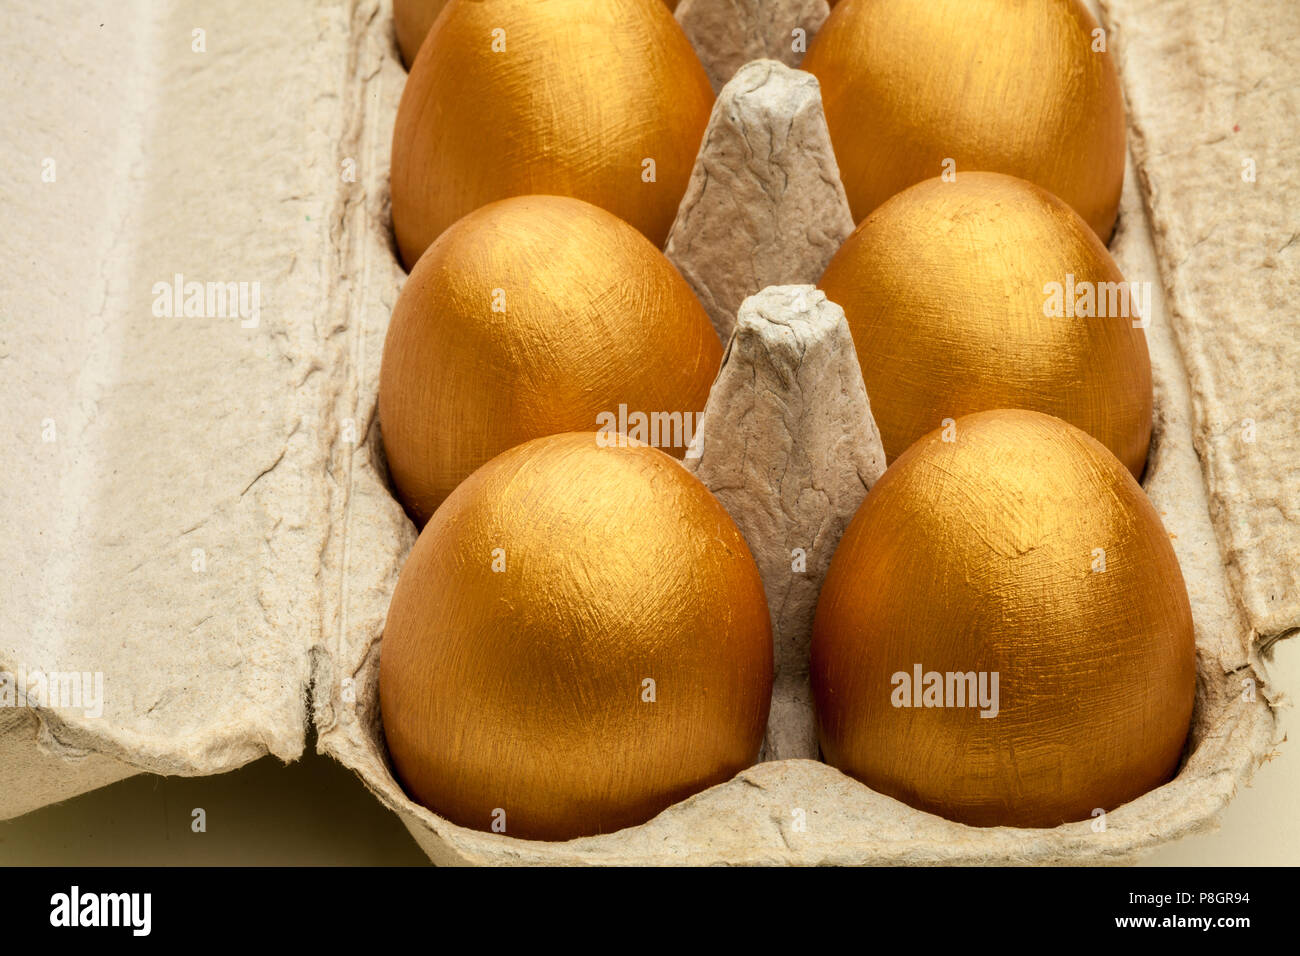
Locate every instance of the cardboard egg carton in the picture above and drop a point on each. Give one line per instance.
(198, 276)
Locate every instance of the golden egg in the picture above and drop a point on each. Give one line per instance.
(578, 640)
(1004, 636)
(969, 295)
(603, 101)
(532, 316)
(413, 18)
(1026, 88)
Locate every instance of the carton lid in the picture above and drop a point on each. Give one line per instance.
(176, 357)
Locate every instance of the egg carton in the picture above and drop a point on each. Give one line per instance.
(197, 491)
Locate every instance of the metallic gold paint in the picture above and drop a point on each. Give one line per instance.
(1011, 86)
(977, 555)
(582, 94)
(413, 18)
(943, 287)
(595, 316)
(523, 689)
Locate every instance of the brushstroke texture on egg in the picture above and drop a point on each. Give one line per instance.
(950, 290)
(579, 640)
(1025, 87)
(603, 101)
(532, 316)
(1014, 548)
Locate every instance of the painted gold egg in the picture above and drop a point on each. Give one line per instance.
(1004, 637)
(578, 640)
(1026, 88)
(989, 292)
(532, 316)
(413, 18)
(604, 101)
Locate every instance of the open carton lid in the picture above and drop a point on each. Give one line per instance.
(179, 352)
